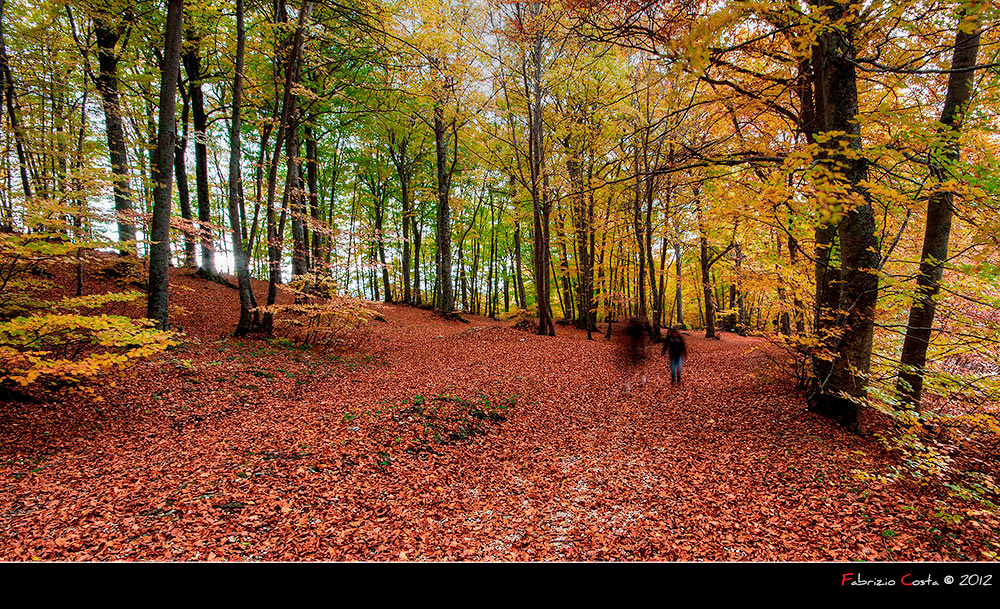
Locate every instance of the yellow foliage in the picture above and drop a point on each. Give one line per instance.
(66, 349)
(337, 325)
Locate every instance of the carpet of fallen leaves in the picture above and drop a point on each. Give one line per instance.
(443, 440)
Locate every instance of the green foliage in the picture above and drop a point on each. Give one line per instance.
(23, 274)
(943, 452)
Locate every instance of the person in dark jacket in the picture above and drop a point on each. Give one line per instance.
(674, 343)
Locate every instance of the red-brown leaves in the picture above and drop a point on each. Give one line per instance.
(445, 441)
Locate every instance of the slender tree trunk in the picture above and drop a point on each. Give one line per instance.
(107, 36)
(380, 242)
(417, 235)
(159, 254)
(192, 65)
(706, 278)
(520, 293)
(247, 300)
(295, 192)
(476, 249)
(183, 195)
(678, 293)
(564, 275)
(661, 293)
(405, 262)
(314, 237)
(784, 321)
(640, 239)
(286, 130)
(939, 215)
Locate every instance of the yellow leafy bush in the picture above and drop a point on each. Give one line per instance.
(335, 326)
(315, 285)
(66, 349)
(53, 343)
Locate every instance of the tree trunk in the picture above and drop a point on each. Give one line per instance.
(192, 65)
(520, 294)
(417, 235)
(313, 236)
(446, 300)
(108, 36)
(939, 214)
(294, 190)
(380, 242)
(240, 255)
(183, 195)
(837, 394)
(706, 278)
(159, 253)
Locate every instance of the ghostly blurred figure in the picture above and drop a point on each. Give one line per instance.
(632, 349)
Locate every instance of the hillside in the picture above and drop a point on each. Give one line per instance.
(441, 440)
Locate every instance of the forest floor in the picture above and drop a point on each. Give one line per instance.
(443, 440)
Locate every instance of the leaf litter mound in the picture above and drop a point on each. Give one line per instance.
(444, 440)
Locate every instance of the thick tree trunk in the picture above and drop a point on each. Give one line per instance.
(838, 392)
(446, 300)
(159, 253)
(541, 264)
(582, 225)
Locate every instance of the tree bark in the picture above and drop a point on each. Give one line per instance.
(313, 237)
(446, 301)
(240, 255)
(159, 252)
(192, 65)
(108, 35)
(837, 393)
(679, 301)
(937, 231)
(706, 278)
(183, 195)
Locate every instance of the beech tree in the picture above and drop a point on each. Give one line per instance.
(940, 208)
(159, 251)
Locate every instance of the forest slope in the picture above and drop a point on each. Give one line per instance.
(442, 440)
